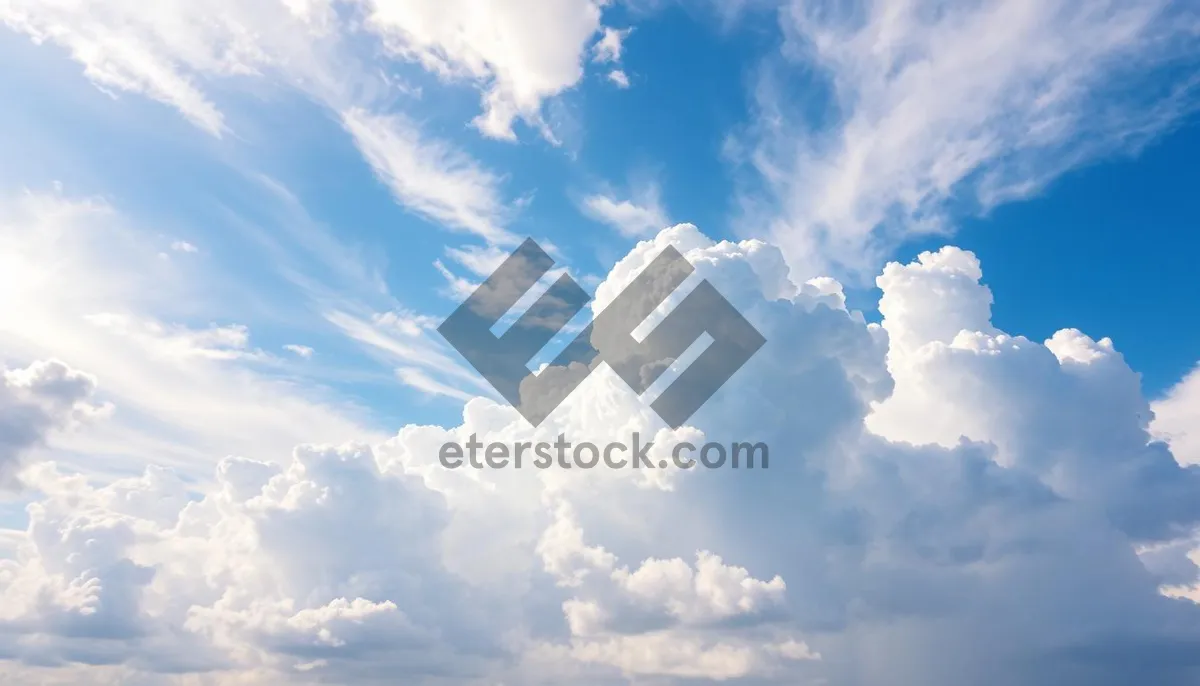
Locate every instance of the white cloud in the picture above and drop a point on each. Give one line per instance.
(608, 50)
(433, 179)
(178, 50)
(418, 379)
(710, 591)
(44, 397)
(82, 286)
(299, 350)
(180, 342)
(408, 340)
(1067, 410)
(671, 656)
(637, 216)
(1029, 553)
(1177, 418)
(619, 77)
(79, 589)
(610, 45)
(164, 51)
(520, 51)
(482, 261)
(931, 102)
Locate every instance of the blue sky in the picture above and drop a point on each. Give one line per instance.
(665, 137)
(693, 74)
(230, 229)
(1134, 215)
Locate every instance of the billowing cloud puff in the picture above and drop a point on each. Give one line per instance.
(523, 51)
(1177, 419)
(1068, 411)
(944, 504)
(34, 401)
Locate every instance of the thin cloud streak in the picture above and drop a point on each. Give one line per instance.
(933, 104)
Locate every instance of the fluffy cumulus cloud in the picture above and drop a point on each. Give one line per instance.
(933, 104)
(43, 397)
(945, 503)
(521, 51)
(958, 376)
(1177, 418)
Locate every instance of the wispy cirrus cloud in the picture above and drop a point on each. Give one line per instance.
(182, 53)
(185, 55)
(302, 351)
(931, 103)
(81, 283)
(430, 177)
(641, 214)
(166, 51)
(409, 341)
